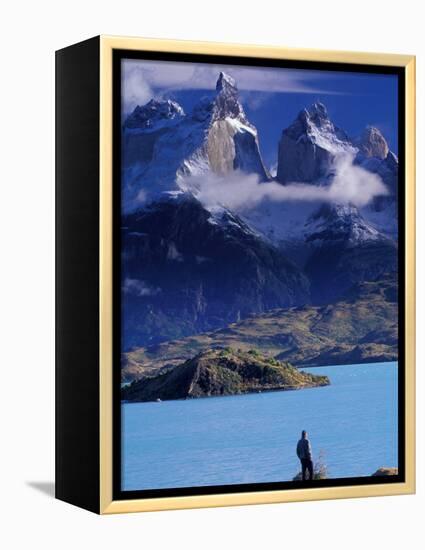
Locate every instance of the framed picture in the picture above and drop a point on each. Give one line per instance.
(235, 274)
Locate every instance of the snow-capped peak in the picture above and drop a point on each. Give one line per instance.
(317, 127)
(309, 146)
(225, 83)
(147, 116)
(226, 102)
(337, 223)
(318, 113)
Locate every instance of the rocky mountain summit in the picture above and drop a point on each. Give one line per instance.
(311, 147)
(153, 114)
(226, 103)
(308, 147)
(219, 372)
(372, 144)
(162, 145)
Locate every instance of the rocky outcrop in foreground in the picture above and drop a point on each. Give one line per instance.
(222, 372)
(320, 472)
(316, 476)
(385, 471)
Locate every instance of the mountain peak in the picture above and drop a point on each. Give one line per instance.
(227, 103)
(372, 143)
(313, 138)
(316, 115)
(334, 223)
(318, 109)
(145, 116)
(225, 83)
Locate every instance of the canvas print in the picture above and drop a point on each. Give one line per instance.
(258, 275)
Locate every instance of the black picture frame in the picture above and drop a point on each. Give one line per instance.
(118, 56)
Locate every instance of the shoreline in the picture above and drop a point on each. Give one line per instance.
(240, 394)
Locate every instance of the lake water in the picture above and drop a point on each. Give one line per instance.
(251, 438)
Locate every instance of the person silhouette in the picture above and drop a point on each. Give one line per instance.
(305, 455)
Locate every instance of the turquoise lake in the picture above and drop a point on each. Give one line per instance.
(252, 438)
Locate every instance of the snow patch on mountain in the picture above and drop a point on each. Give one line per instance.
(239, 126)
(322, 132)
(336, 223)
(153, 115)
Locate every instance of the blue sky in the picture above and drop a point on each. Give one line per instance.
(272, 97)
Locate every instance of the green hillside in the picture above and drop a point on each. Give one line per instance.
(221, 372)
(360, 328)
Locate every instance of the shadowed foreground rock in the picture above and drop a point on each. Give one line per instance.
(222, 372)
(385, 471)
(316, 476)
(320, 472)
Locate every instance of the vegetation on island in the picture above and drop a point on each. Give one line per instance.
(222, 371)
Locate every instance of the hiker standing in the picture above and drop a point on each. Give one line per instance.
(305, 456)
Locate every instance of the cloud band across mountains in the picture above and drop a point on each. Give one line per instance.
(351, 184)
(141, 80)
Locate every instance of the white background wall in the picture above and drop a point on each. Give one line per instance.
(30, 32)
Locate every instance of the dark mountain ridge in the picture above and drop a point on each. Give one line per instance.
(185, 271)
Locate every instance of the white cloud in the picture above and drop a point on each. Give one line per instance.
(142, 80)
(138, 287)
(242, 192)
(136, 89)
(355, 185)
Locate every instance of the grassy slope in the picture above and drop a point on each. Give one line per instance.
(222, 372)
(360, 328)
